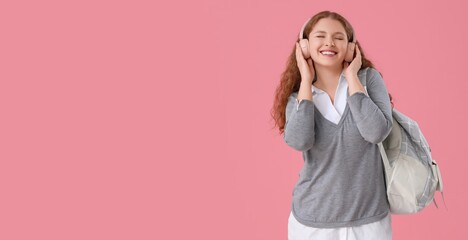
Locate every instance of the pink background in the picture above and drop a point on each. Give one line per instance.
(144, 120)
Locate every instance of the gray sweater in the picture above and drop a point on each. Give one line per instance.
(342, 182)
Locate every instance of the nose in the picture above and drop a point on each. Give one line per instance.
(330, 42)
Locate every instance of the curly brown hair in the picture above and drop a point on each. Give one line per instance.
(291, 77)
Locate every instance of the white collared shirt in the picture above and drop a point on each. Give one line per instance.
(322, 101)
(332, 112)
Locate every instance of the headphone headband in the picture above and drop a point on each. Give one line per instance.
(301, 34)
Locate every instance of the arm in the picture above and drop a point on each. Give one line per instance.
(299, 127)
(299, 130)
(373, 113)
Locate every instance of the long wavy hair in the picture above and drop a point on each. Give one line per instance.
(291, 78)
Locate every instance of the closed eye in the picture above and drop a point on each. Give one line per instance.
(335, 38)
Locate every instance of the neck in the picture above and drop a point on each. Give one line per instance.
(328, 76)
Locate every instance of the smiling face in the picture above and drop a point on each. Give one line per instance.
(328, 42)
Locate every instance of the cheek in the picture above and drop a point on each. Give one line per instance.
(345, 46)
(314, 48)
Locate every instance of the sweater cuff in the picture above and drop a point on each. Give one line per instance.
(303, 102)
(357, 95)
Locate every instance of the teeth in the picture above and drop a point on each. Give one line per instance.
(328, 53)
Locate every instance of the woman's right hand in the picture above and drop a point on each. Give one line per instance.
(305, 67)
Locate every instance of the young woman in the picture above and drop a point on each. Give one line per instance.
(324, 111)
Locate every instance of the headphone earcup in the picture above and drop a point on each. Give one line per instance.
(304, 44)
(350, 53)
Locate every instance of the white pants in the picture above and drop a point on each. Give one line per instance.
(380, 230)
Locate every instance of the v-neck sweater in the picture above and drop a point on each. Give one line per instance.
(341, 183)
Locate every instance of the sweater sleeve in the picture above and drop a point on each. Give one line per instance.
(299, 130)
(372, 112)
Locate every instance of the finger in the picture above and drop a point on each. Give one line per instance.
(297, 52)
(358, 50)
(299, 56)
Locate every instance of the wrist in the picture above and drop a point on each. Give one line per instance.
(355, 85)
(306, 80)
(352, 77)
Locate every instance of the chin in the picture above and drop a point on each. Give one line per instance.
(329, 63)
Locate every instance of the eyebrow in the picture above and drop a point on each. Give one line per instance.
(326, 32)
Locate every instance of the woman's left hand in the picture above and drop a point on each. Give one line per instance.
(351, 70)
